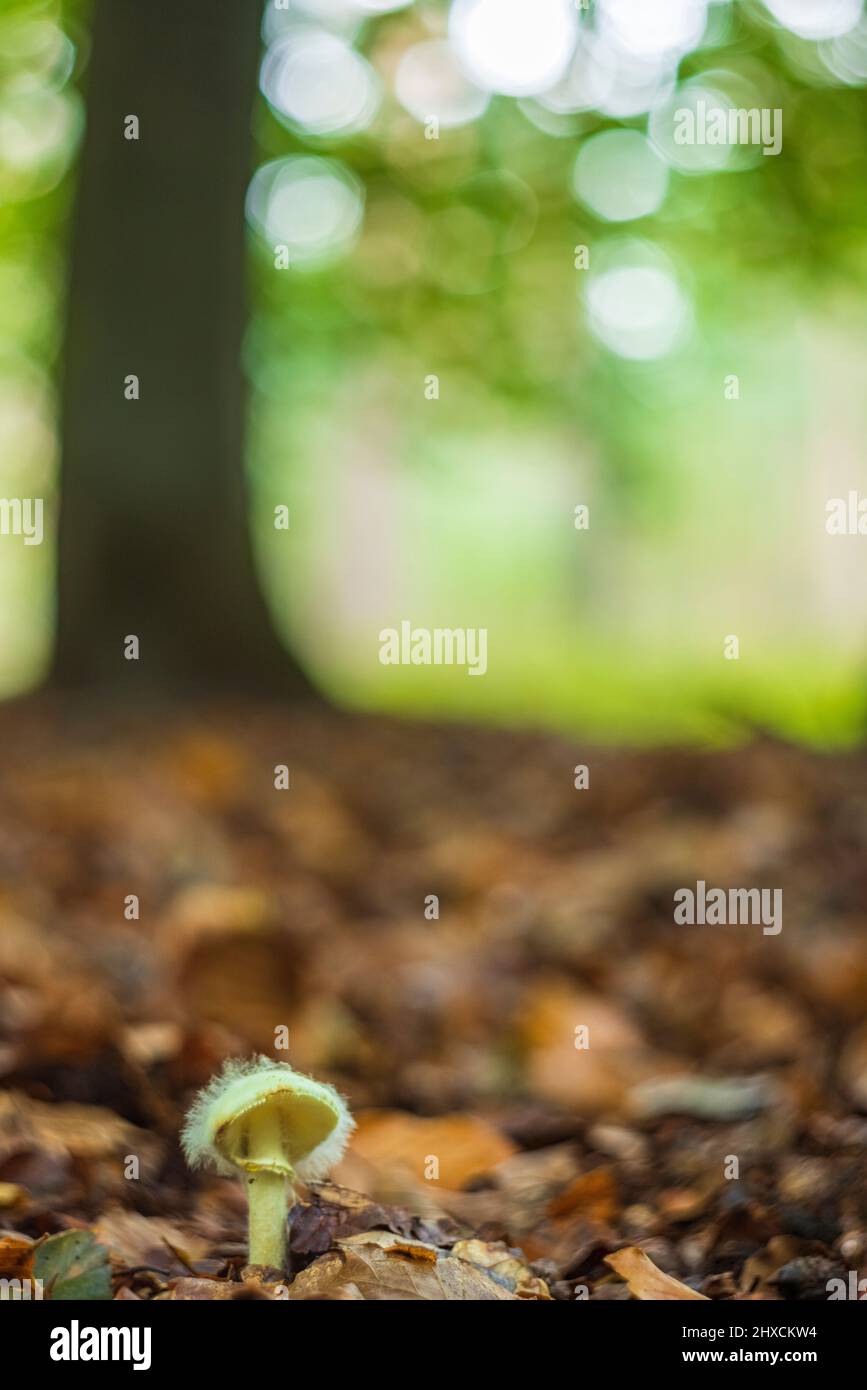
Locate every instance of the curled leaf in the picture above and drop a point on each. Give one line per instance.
(643, 1278)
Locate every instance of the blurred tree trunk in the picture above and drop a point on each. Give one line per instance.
(153, 527)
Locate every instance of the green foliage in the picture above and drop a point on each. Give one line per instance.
(458, 259)
(42, 44)
(707, 514)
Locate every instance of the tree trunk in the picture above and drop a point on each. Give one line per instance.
(153, 527)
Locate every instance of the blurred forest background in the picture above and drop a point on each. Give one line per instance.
(411, 256)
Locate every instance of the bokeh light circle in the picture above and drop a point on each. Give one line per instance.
(635, 304)
(513, 46)
(319, 83)
(313, 206)
(619, 176)
(430, 83)
(817, 19)
(653, 30)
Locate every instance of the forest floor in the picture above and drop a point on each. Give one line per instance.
(560, 1091)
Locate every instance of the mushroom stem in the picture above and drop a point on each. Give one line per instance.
(268, 1187)
(268, 1201)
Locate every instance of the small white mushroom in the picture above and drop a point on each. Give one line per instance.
(273, 1124)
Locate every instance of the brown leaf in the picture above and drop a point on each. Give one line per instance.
(85, 1131)
(398, 1245)
(643, 1278)
(334, 1211)
(464, 1146)
(148, 1240)
(16, 1257)
(504, 1264)
(365, 1266)
(591, 1079)
(252, 1287)
(593, 1194)
(193, 1290)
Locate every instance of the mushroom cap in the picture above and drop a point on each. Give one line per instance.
(308, 1121)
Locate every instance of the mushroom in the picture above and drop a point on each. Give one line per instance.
(273, 1124)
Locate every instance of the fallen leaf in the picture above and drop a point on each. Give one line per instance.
(148, 1240)
(333, 1211)
(363, 1267)
(593, 1194)
(398, 1245)
(504, 1264)
(591, 1079)
(643, 1278)
(193, 1290)
(73, 1266)
(463, 1146)
(84, 1131)
(16, 1257)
